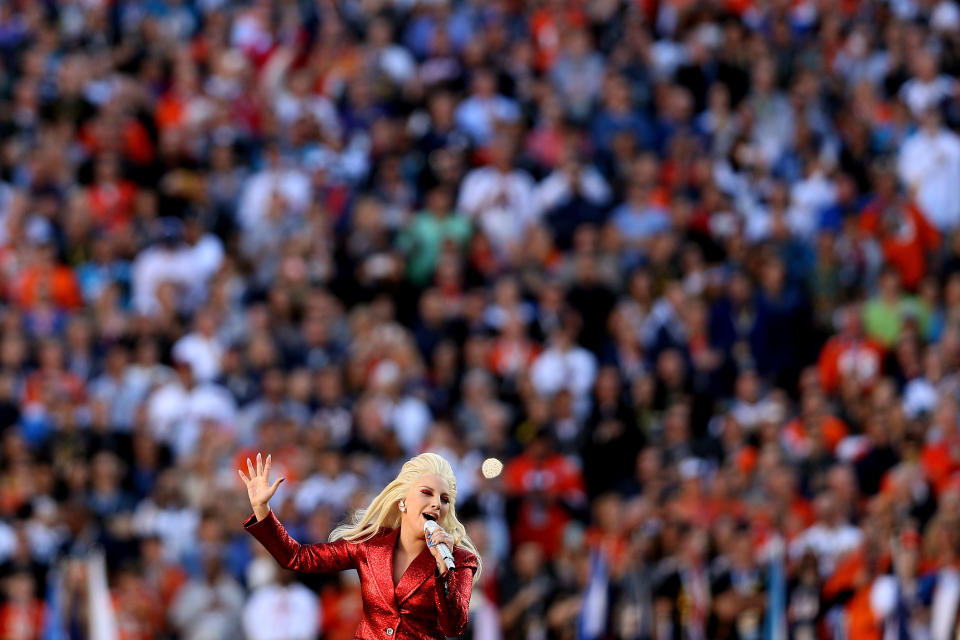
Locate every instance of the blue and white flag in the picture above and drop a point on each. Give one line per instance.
(775, 622)
(593, 614)
(53, 627)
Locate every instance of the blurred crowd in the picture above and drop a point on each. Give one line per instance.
(689, 268)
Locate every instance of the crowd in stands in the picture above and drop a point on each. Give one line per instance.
(689, 268)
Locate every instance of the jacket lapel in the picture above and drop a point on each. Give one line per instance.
(381, 561)
(416, 574)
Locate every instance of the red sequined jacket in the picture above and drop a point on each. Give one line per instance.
(423, 605)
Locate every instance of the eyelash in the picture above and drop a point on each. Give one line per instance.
(427, 493)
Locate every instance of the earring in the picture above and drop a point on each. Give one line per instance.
(403, 509)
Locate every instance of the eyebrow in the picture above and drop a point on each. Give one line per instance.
(443, 493)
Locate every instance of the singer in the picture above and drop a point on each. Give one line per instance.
(408, 589)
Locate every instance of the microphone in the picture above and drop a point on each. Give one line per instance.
(445, 552)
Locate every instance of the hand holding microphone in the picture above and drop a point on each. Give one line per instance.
(437, 540)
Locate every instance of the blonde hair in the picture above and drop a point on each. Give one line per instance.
(384, 510)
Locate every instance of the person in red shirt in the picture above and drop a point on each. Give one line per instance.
(115, 130)
(513, 352)
(342, 607)
(111, 198)
(850, 355)
(904, 233)
(52, 378)
(940, 457)
(544, 487)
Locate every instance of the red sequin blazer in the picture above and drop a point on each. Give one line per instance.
(423, 605)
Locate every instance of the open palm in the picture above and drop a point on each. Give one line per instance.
(259, 489)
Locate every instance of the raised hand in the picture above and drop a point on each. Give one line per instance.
(259, 489)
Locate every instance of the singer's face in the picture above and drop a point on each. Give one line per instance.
(430, 495)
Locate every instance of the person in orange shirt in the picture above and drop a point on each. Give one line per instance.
(608, 534)
(814, 429)
(139, 611)
(513, 352)
(45, 274)
(342, 607)
(853, 580)
(171, 108)
(548, 24)
(23, 614)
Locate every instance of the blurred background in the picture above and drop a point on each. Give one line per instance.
(690, 268)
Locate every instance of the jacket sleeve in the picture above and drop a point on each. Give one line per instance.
(322, 557)
(453, 591)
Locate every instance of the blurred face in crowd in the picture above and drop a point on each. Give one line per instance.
(484, 84)
(748, 389)
(438, 201)
(889, 284)
(501, 154)
(930, 120)
(825, 507)
(528, 560)
(671, 368)
(774, 276)
(20, 587)
(677, 424)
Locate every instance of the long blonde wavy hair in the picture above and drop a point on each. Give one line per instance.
(384, 510)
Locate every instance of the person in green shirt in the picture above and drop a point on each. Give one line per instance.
(885, 313)
(424, 238)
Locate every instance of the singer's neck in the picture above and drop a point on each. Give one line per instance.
(411, 541)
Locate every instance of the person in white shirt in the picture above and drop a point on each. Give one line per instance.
(808, 197)
(500, 198)
(178, 411)
(926, 89)
(208, 606)
(830, 537)
(201, 348)
(388, 58)
(299, 100)
(166, 515)
(331, 485)
(929, 165)
(565, 365)
(289, 183)
(168, 260)
(205, 253)
(477, 115)
(285, 610)
(570, 179)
